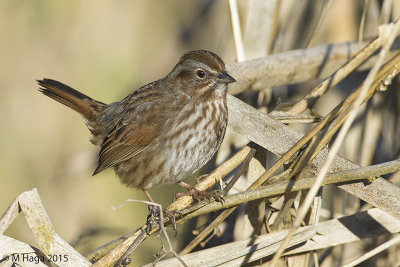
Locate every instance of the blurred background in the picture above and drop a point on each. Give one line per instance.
(107, 49)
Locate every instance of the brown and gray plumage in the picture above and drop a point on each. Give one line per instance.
(164, 131)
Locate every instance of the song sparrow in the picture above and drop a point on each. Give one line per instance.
(164, 131)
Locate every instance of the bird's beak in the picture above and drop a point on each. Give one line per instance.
(224, 77)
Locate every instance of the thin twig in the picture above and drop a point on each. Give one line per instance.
(237, 32)
(362, 22)
(395, 240)
(237, 175)
(321, 20)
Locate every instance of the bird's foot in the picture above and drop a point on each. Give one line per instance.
(199, 195)
(154, 218)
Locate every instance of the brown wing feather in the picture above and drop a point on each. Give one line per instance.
(127, 140)
(142, 118)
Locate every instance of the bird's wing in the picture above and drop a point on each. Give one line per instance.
(131, 136)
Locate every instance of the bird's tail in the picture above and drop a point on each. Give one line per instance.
(89, 108)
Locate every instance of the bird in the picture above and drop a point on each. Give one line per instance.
(162, 132)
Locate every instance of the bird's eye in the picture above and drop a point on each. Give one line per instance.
(200, 74)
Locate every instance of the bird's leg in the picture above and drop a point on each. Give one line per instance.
(198, 195)
(148, 196)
